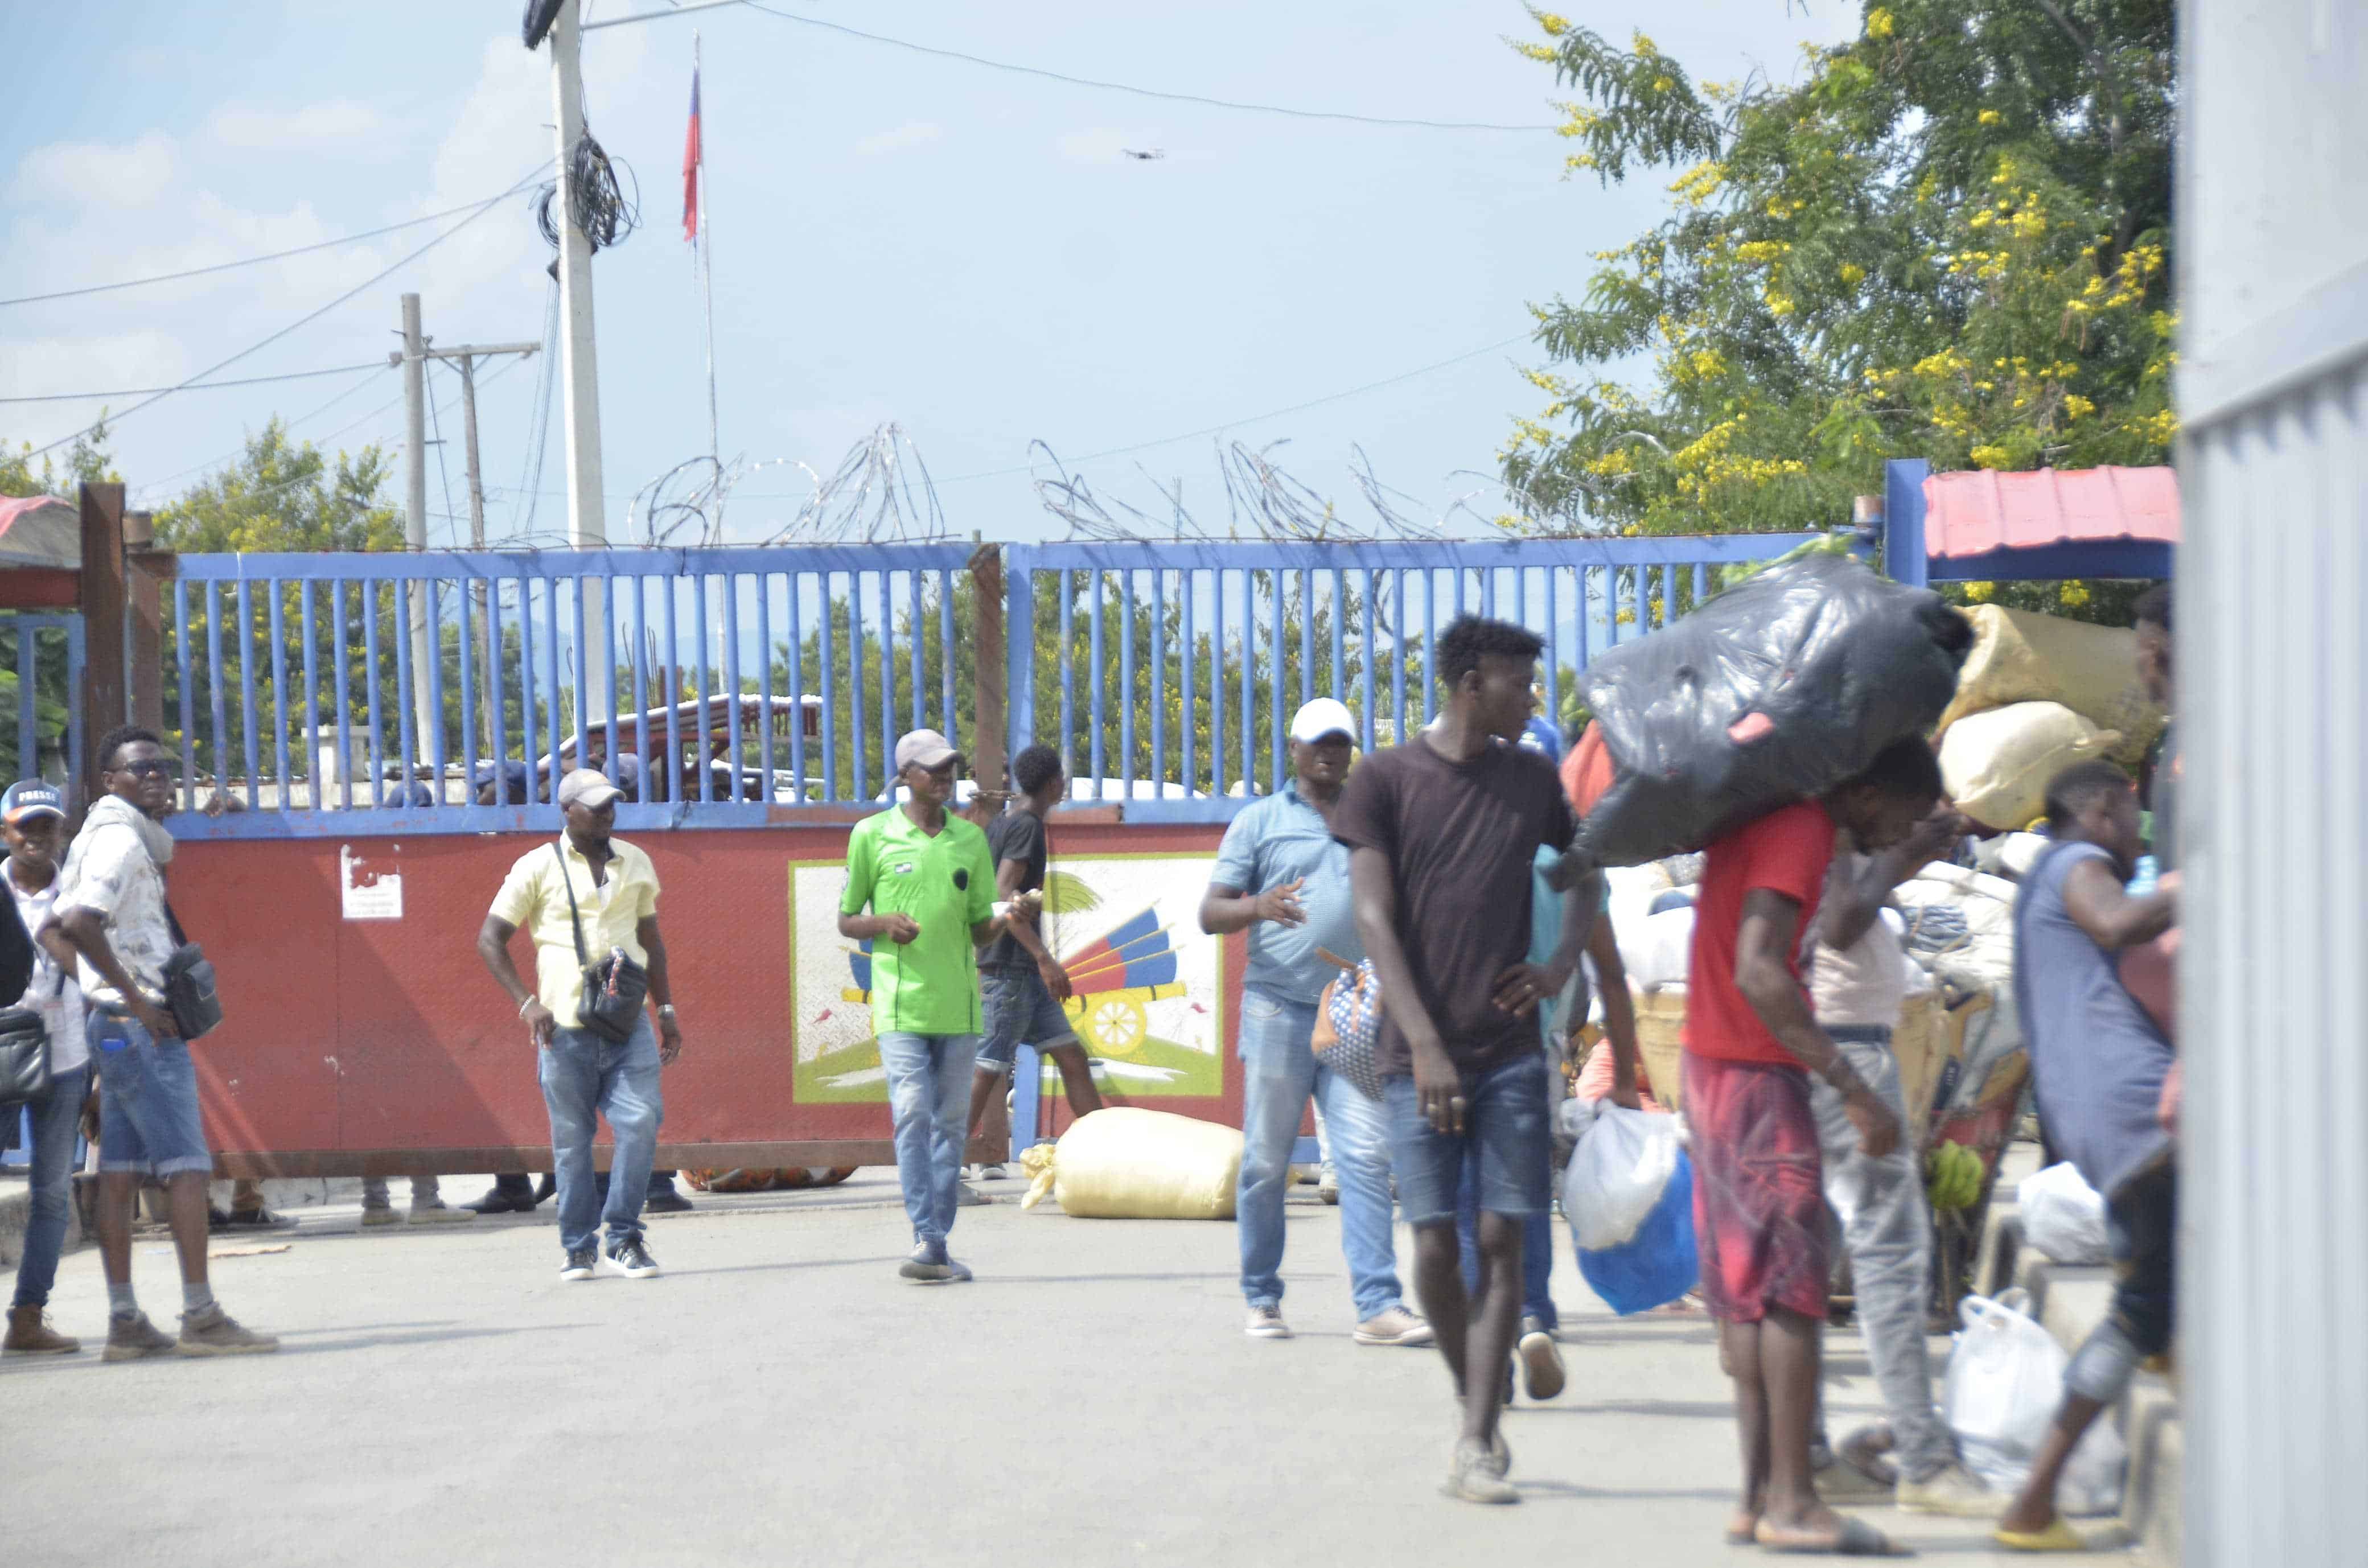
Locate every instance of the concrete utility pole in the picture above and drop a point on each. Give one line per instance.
(413, 360)
(587, 526)
(415, 523)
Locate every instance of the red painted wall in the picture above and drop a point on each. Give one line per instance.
(387, 1038)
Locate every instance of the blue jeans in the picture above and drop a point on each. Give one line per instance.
(1537, 1247)
(928, 1095)
(1280, 1071)
(1505, 1138)
(1019, 1011)
(583, 1078)
(148, 1116)
(55, 1120)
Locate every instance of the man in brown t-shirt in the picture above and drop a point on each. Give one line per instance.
(1443, 833)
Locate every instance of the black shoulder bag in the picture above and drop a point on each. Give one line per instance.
(188, 981)
(614, 988)
(24, 1070)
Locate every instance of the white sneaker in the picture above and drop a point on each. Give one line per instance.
(374, 1217)
(1953, 1491)
(992, 1173)
(1395, 1326)
(1542, 1368)
(1266, 1323)
(438, 1214)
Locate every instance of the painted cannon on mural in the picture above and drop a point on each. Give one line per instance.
(1113, 977)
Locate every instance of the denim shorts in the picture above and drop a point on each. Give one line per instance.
(148, 1115)
(1507, 1122)
(1019, 1011)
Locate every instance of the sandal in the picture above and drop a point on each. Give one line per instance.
(1855, 1539)
(2057, 1537)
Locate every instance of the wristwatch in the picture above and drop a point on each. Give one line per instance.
(665, 1009)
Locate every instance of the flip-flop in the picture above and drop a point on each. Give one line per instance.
(1745, 1536)
(1855, 1539)
(2057, 1537)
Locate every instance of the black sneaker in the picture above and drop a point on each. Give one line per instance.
(665, 1201)
(927, 1265)
(579, 1265)
(630, 1258)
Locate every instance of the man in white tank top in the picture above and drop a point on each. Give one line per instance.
(1858, 982)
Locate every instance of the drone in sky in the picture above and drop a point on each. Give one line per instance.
(1155, 153)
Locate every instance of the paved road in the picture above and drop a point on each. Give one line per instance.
(779, 1396)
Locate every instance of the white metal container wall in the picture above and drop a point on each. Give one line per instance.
(2273, 590)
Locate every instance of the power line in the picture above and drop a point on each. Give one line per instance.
(202, 386)
(483, 207)
(1229, 424)
(155, 485)
(351, 424)
(151, 486)
(1112, 87)
(247, 261)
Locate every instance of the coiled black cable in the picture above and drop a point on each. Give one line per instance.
(602, 192)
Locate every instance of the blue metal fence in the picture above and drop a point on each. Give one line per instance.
(1167, 673)
(443, 692)
(42, 654)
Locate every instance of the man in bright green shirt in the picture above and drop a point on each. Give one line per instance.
(928, 881)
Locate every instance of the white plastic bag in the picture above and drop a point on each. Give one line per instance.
(1617, 1175)
(2005, 1381)
(2063, 1216)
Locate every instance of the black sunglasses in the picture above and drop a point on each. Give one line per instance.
(156, 768)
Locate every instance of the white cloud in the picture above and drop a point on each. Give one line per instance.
(912, 133)
(93, 173)
(41, 367)
(335, 119)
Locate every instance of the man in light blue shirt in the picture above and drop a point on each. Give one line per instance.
(1281, 877)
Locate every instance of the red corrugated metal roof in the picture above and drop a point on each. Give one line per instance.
(1973, 513)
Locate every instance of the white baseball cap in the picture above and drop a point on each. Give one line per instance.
(1325, 716)
(586, 785)
(927, 748)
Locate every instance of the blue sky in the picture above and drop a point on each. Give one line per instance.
(961, 250)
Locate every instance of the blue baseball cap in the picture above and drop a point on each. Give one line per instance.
(32, 798)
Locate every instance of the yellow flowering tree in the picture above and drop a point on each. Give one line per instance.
(1949, 239)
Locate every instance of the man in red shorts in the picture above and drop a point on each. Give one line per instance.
(1759, 1204)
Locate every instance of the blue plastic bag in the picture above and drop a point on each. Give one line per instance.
(1658, 1264)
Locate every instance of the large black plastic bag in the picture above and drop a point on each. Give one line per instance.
(1840, 661)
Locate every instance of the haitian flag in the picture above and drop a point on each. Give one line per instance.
(691, 159)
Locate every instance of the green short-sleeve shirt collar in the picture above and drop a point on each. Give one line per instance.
(946, 882)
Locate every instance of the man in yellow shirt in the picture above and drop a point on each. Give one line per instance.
(581, 899)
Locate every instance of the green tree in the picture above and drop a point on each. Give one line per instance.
(87, 461)
(1949, 239)
(286, 495)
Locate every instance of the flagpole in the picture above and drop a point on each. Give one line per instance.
(707, 278)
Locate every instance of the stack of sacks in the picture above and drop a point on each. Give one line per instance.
(2037, 694)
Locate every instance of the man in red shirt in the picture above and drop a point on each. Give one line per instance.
(1759, 1206)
